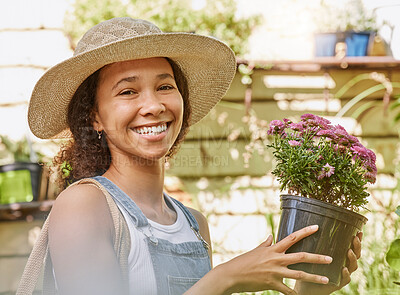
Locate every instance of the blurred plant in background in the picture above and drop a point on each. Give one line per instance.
(22, 150)
(215, 18)
(393, 254)
(14, 151)
(345, 15)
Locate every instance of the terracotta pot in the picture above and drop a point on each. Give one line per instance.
(337, 227)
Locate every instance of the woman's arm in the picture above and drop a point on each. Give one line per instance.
(81, 235)
(261, 269)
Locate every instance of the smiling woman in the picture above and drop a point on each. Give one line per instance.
(138, 95)
(127, 98)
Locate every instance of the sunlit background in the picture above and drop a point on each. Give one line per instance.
(239, 198)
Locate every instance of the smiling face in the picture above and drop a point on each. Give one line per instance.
(139, 108)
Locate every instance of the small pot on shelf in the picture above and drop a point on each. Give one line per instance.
(20, 182)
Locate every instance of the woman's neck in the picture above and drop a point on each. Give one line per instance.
(144, 185)
(141, 179)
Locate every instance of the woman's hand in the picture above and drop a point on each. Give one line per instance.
(265, 267)
(353, 255)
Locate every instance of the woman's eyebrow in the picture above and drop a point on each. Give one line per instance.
(135, 78)
(165, 76)
(126, 79)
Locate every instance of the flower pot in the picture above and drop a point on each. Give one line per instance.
(325, 43)
(358, 43)
(337, 227)
(20, 182)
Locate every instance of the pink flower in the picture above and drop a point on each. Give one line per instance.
(340, 131)
(306, 117)
(343, 141)
(313, 120)
(371, 170)
(276, 127)
(352, 139)
(327, 133)
(327, 171)
(297, 126)
(323, 123)
(371, 155)
(360, 152)
(294, 143)
(370, 177)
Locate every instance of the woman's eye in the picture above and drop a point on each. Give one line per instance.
(127, 92)
(166, 87)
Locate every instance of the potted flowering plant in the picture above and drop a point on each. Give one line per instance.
(326, 172)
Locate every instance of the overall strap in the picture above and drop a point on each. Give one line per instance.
(189, 216)
(192, 221)
(137, 216)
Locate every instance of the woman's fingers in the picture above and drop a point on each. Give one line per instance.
(267, 242)
(360, 235)
(303, 257)
(357, 246)
(293, 238)
(345, 277)
(306, 277)
(281, 287)
(352, 264)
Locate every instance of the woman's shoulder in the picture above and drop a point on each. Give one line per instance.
(81, 206)
(81, 195)
(200, 218)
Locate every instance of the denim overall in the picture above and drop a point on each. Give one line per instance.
(177, 267)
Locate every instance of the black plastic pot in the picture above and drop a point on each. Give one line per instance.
(20, 182)
(337, 227)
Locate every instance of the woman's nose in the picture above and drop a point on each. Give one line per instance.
(151, 104)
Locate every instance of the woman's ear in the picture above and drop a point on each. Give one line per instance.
(96, 122)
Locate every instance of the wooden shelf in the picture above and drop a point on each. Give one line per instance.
(25, 211)
(322, 63)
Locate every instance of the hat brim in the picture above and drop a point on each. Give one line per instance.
(208, 64)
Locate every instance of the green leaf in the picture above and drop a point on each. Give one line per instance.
(393, 255)
(397, 210)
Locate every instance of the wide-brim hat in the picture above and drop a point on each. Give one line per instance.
(208, 64)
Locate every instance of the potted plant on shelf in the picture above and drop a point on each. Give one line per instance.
(20, 174)
(344, 29)
(325, 172)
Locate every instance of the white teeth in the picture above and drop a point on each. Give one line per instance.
(154, 130)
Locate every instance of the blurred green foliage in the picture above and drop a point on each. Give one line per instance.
(18, 151)
(218, 18)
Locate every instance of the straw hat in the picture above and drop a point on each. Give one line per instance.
(208, 64)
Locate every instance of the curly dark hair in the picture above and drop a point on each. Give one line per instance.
(85, 155)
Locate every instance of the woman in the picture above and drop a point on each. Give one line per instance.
(127, 97)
